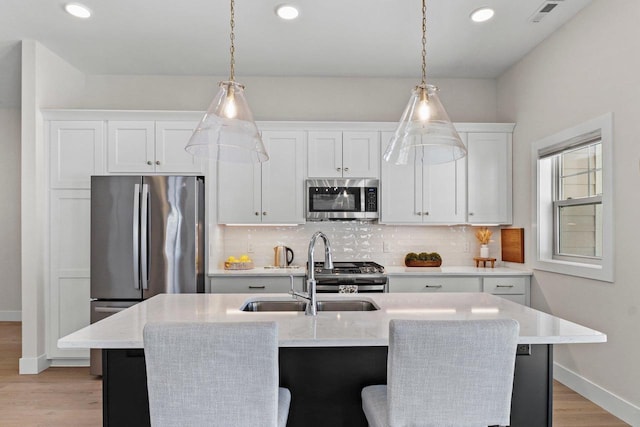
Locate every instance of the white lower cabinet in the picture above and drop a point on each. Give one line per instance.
(254, 284)
(513, 288)
(434, 284)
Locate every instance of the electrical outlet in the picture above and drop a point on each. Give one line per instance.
(523, 350)
(386, 247)
(466, 247)
(250, 247)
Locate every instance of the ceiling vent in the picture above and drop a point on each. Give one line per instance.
(545, 9)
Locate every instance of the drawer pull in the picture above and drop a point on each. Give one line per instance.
(504, 286)
(433, 286)
(257, 287)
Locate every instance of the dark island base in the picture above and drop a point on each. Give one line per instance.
(325, 384)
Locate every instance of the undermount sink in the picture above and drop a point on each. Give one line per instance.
(296, 305)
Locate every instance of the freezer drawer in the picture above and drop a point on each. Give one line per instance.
(101, 310)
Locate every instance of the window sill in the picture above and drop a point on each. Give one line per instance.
(587, 271)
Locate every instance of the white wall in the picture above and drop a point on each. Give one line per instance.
(10, 303)
(285, 98)
(589, 67)
(47, 82)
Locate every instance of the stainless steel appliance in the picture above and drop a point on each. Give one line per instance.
(281, 256)
(147, 238)
(350, 276)
(342, 199)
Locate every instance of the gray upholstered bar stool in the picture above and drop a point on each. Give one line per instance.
(214, 374)
(456, 373)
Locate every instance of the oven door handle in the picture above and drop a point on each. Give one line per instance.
(361, 288)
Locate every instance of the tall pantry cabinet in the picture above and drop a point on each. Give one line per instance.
(79, 144)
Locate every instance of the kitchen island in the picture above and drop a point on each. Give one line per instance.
(325, 360)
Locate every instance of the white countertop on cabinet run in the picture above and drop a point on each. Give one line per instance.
(260, 271)
(328, 329)
(455, 271)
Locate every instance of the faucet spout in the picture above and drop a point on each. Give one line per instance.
(310, 295)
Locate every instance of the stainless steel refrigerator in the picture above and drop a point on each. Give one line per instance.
(147, 238)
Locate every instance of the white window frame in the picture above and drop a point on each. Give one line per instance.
(543, 215)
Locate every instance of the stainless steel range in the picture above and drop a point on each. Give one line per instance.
(350, 277)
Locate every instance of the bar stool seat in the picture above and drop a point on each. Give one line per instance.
(214, 374)
(445, 373)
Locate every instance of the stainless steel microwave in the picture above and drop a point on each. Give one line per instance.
(342, 199)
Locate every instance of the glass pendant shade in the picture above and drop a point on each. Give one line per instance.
(227, 131)
(425, 124)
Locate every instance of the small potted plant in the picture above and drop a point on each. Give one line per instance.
(423, 259)
(484, 237)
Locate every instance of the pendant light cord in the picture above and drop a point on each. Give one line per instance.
(232, 48)
(424, 42)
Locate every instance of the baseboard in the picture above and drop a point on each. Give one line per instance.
(10, 316)
(69, 363)
(626, 411)
(33, 365)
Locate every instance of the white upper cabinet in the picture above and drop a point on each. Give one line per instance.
(418, 193)
(147, 146)
(489, 177)
(76, 152)
(336, 154)
(271, 192)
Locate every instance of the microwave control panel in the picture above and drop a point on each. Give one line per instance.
(371, 199)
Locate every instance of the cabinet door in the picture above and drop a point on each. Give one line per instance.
(434, 284)
(254, 284)
(76, 152)
(401, 189)
(131, 146)
(283, 178)
(444, 193)
(69, 250)
(489, 178)
(239, 193)
(170, 155)
(361, 154)
(324, 154)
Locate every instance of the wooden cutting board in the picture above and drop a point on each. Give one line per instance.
(512, 241)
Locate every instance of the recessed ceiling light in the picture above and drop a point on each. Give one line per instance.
(78, 10)
(481, 15)
(287, 12)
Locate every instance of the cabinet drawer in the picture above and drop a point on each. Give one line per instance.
(520, 299)
(505, 285)
(253, 285)
(434, 284)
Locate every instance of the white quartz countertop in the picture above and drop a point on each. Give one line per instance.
(328, 329)
(261, 271)
(455, 271)
(391, 271)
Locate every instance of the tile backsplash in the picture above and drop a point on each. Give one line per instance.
(384, 244)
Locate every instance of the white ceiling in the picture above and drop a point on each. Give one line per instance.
(357, 38)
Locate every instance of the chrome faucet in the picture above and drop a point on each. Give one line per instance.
(310, 295)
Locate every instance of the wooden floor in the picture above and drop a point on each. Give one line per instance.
(72, 397)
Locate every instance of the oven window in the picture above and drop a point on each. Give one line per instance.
(322, 199)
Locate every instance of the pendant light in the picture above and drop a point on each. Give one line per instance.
(227, 131)
(425, 123)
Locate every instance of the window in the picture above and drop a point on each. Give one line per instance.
(574, 198)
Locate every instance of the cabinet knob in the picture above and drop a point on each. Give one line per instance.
(264, 213)
(426, 213)
(257, 213)
(149, 162)
(346, 169)
(157, 162)
(470, 213)
(338, 169)
(419, 213)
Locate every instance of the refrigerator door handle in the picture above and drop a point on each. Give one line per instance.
(136, 236)
(144, 229)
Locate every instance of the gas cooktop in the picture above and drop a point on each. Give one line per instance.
(350, 268)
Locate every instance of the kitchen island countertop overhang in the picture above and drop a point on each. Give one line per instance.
(328, 329)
